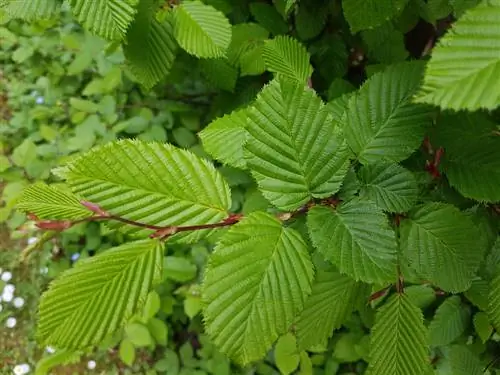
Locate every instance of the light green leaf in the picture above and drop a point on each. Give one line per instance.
(482, 326)
(399, 340)
(152, 183)
(286, 56)
(286, 355)
(463, 362)
(51, 202)
(179, 269)
(127, 352)
(24, 154)
(62, 356)
(366, 14)
(152, 305)
(294, 149)
(245, 38)
(464, 62)
(159, 331)
(31, 10)
(381, 122)
(320, 316)
(224, 137)
(192, 306)
(95, 298)
(392, 187)
(449, 322)
(109, 19)
(494, 302)
(138, 334)
(201, 30)
(421, 296)
(256, 282)
(356, 237)
(151, 47)
(441, 244)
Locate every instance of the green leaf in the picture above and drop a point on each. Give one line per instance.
(286, 355)
(192, 306)
(392, 187)
(219, 73)
(381, 122)
(179, 269)
(31, 10)
(127, 352)
(441, 244)
(366, 14)
(152, 305)
(152, 183)
(159, 331)
(459, 74)
(151, 47)
(268, 17)
(62, 356)
(471, 159)
(95, 298)
(478, 293)
(201, 30)
(399, 340)
(482, 326)
(224, 137)
(449, 322)
(245, 37)
(494, 302)
(356, 237)
(464, 362)
(51, 202)
(320, 316)
(421, 296)
(83, 105)
(294, 149)
(109, 19)
(138, 334)
(24, 154)
(385, 44)
(310, 20)
(256, 282)
(286, 56)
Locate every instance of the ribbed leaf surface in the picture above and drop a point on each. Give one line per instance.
(256, 282)
(472, 155)
(392, 187)
(286, 56)
(31, 10)
(463, 362)
(224, 138)
(356, 237)
(201, 30)
(219, 73)
(465, 65)
(294, 149)
(109, 19)
(331, 302)
(449, 322)
(366, 14)
(152, 183)
(95, 298)
(381, 122)
(399, 340)
(151, 46)
(494, 302)
(441, 244)
(50, 202)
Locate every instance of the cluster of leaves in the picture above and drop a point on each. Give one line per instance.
(375, 213)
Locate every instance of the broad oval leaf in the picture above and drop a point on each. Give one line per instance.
(356, 237)
(201, 30)
(399, 340)
(462, 361)
(98, 296)
(256, 282)
(294, 149)
(366, 14)
(152, 183)
(390, 186)
(31, 10)
(441, 244)
(465, 65)
(494, 302)
(381, 122)
(449, 322)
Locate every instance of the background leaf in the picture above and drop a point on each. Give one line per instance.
(286, 354)
(366, 14)
(449, 322)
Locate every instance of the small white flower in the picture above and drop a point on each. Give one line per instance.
(91, 365)
(32, 240)
(22, 369)
(6, 276)
(75, 257)
(50, 350)
(40, 100)
(44, 270)
(11, 322)
(7, 297)
(18, 302)
(9, 288)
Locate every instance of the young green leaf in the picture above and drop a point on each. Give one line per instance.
(366, 14)
(356, 237)
(441, 244)
(449, 322)
(51, 202)
(459, 74)
(152, 183)
(381, 122)
(138, 334)
(256, 282)
(294, 149)
(482, 326)
(95, 298)
(286, 355)
(286, 56)
(463, 362)
(201, 30)
(61, 357)
(245, 37)
(494, 302)
(31, 10)
(392, 187)
(127, 352)
(399, 340)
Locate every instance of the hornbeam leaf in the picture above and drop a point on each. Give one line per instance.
(366, 14)
(399, 340)
(96, 297)
(494, 302)
(449, 322)
(151, 183)
(256, 282)
(31, 10)
(463, 362)
(294, 149)
(441, 244)
(356, 237)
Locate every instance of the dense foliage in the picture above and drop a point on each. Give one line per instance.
(346, 211)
